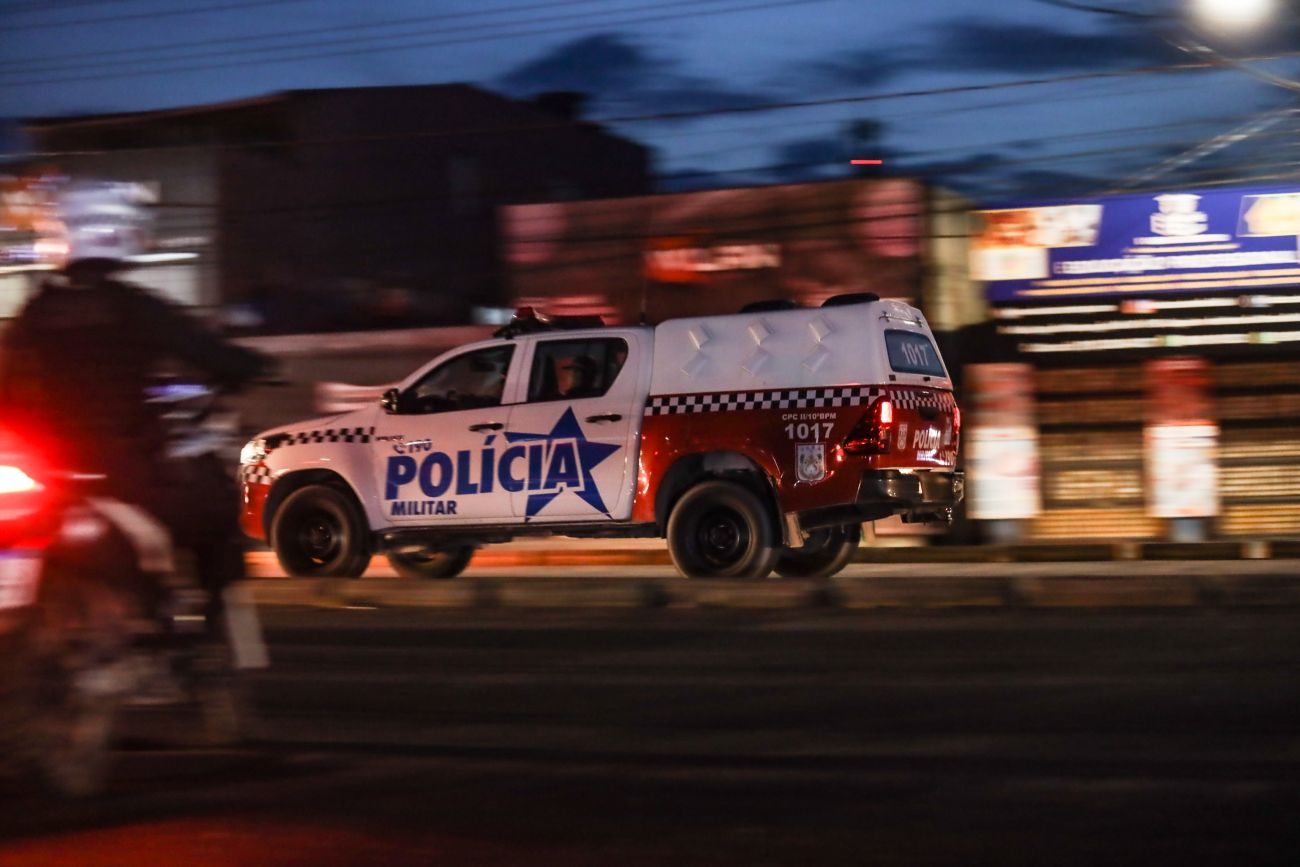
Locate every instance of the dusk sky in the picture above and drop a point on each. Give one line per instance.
(640, 60)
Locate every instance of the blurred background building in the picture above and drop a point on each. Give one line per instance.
(709, 252)
(315, 210)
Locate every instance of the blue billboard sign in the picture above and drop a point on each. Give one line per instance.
(1152, 244)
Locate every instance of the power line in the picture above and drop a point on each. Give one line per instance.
(1190, 66)
(142, 16)
(49, 5)
(662, 116)
(522, 192)
(837, 123)
(43, 64)
(1105, 10)
(419, 44)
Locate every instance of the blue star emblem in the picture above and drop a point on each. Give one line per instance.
(590, 455)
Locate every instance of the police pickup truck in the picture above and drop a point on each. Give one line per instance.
(752, 442)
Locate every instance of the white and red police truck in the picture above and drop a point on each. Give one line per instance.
(752, 442)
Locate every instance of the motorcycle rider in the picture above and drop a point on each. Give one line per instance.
(75, 364)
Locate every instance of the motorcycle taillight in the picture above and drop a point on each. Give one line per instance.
(870, 436)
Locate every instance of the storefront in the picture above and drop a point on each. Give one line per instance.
(1118, 303)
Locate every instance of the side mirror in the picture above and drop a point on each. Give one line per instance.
(389, 400)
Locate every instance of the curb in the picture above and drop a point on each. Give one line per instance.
(262, 563)
(920, 592)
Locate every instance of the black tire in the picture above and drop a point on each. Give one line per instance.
(319, 532)
(826, 552)
(76, 671)
(423, 565)
(720, 529)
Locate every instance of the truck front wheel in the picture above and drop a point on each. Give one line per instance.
(319, 532)
(825, 553)
(720, 529)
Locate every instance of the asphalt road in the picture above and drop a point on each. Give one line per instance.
(724, 737)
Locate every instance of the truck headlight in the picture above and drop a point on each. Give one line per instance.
(252, 452)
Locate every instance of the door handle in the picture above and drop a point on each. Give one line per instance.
(487, 425)
(599, 419)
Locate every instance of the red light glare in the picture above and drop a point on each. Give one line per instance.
(866, 162)
(21, 467)
(885, 412)
(14, 481)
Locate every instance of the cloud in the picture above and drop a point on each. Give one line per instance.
(622, 76)
(602, 62)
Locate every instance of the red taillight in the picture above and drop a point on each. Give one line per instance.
(14, 480)
(956, 419)
(871, 435)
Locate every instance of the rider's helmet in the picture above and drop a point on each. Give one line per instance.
(104, 222)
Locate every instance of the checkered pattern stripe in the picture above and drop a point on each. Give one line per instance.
(910, 398)
(255, 474)
(796, 398)
(789, 398)
(328, 435)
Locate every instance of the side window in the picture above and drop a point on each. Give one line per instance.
(469, 381)
(571, 369)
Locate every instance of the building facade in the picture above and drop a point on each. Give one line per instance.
(1161, 335)
(324, 209)
(650, 258)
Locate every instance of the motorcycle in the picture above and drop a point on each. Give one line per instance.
(99, 613)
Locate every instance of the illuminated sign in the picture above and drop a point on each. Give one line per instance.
(685, 260)
(1185, 242)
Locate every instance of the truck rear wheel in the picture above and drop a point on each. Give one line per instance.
(318, 532)
(825, 553)
(431, 563)
(720, 529)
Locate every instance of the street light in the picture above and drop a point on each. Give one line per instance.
(1233, 15)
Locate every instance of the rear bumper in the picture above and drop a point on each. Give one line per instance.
(917, 495)
(920, 491)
